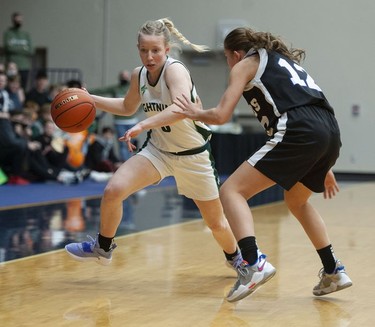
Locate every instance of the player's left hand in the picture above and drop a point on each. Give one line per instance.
(330, 185)
(129, 134)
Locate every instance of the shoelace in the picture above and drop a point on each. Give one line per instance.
(113, 246)
(242, 270)
(321, 273)
(242, 267)
(92, 240)
(236, 261)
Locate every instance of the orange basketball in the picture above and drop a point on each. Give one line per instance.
(73, 110)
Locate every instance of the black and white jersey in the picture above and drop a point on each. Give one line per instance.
(278, 86)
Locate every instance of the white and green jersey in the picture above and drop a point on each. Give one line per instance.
(183, 135)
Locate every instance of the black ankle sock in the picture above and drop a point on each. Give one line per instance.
(249, 249)
(105, 242)
(230, 257)
(328, 259)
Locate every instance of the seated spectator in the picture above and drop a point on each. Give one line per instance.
(53, 146)
(13, 154)
(12, 69)
(43, 115)
(40, 92)
(101, 156)
(32, 109)
(4, 95)
(16, 93)
(37, 167)
(55, 89)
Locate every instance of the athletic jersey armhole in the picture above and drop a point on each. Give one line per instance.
(139, 80)
(191, 79)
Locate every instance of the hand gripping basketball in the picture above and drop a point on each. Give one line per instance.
(73, 110)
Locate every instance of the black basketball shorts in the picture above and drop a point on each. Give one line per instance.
(306, 145)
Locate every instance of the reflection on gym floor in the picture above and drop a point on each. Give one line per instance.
(26, 231)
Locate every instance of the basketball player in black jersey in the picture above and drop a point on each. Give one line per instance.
(303, 145)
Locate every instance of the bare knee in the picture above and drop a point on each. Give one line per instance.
(297, 198)
(296, 205)
(217, 225)
(226, 192)
(114, 192)
(213, 214)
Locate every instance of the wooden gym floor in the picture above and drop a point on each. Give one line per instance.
(175, 275)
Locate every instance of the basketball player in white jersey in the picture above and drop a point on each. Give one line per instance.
(304, 143)
(175, 146)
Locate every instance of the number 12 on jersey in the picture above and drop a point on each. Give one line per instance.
(295, 78)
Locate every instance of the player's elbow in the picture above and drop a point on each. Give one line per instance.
(221, 119)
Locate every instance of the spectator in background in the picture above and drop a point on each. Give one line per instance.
(55, 89)
(21, 125)
(4, 95)
(11, 69)
(37, 167)
(14, 87)
(33, 107)
(18, 47)
(122, 123)
(40, 93)
(16, 93)
(43, 115)
(53, 146)
(101, 156)
(13, 152)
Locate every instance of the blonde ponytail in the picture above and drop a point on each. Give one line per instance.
(165, 27)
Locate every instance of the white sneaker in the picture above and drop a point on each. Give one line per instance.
(334, 282)
(250, 278)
